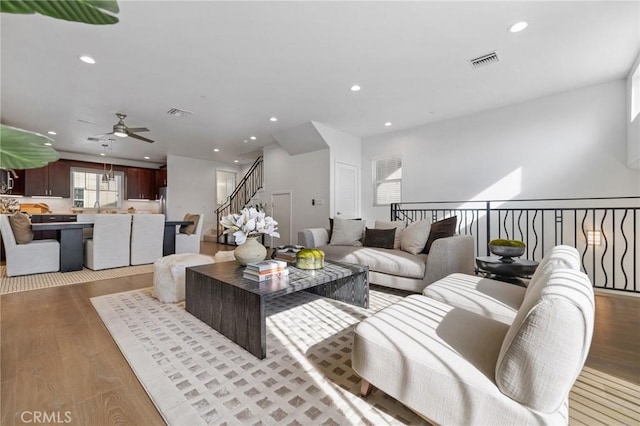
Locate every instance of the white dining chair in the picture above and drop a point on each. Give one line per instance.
(147, 232)
(190, 243)
(111, 243)
(36, 257)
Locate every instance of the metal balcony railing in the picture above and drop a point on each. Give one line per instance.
(604, 230)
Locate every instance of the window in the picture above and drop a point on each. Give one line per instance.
(90, 186)
(635, 93)
(387, 175)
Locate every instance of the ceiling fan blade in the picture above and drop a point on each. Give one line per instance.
(137, 129)
(104, 134)
(142, 138)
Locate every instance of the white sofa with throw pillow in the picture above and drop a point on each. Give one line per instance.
(472, 350)
(404, 257)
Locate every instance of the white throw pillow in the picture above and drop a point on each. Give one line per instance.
(397, 224)
(415, 236)
(347, 232)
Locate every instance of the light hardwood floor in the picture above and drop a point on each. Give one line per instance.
(58, 357)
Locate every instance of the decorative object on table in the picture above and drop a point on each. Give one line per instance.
(9, 205)
(35, 208)
(246, 227)
(310, 259)
(287, 253)
(266, 270)
(507, 249)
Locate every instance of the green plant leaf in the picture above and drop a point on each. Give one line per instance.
(21, 149)
(87, 11)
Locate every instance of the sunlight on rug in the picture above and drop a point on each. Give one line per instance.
(194, 375)
(55, 279)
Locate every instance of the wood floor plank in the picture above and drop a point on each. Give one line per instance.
(112, 408)
(603, 406)
(89, 374)
(8, 402)
(8, 358)
(582, 388)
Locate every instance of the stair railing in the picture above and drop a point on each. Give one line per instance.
(248, 186)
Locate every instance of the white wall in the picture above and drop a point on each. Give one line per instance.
(344, 148)
(633, 127)
(306, 176)
(191, 188)
(571, 144)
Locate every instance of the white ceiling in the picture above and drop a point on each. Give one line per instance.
(235, 64)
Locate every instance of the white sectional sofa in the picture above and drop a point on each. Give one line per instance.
(397, 268)
(472, 350)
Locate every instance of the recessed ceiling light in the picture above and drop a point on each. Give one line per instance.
(355, 88)
(51, 132)
(216, 150)
(245, 141)
(519, 26)
(87, 59)
(48, 143)
(388, 123)
(253, 138)
(146, 157)
(102, 154)
(235, 161)
(273, 119)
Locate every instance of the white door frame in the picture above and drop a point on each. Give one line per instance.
(290, 213)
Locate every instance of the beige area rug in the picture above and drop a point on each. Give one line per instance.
(195, 376)
(55, 279)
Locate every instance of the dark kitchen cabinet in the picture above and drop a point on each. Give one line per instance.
(49, 218)
(161, 180)
(53, 180)
(141, 184)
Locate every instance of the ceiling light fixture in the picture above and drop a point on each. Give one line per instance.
(216, 150)
(518, 26)
(355, 88)
(102, 154)
(388, 123)
(245, 141)
(51, 132)
(273, 119)
(235, 161)
(48, 144)
(87, 59)
(253, 138)
(146, 157)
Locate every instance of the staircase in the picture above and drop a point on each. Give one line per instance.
(250, 184)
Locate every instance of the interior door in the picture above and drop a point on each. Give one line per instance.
(281, 212)
(347, 190)
(225, 184)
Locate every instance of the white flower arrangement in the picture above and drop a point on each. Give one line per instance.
(250, 222)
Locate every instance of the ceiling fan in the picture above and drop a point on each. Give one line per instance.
(121, 130)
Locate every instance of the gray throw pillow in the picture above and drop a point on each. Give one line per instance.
(347, 232)
(21, 227)
(415, 236)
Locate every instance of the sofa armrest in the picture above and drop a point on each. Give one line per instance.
(450, 255)
(313, 237)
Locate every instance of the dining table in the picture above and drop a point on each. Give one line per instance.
(70, 236)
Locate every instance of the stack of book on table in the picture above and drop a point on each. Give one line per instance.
(286, 253)
(266, 270)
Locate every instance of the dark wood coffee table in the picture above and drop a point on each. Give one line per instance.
(218, 295)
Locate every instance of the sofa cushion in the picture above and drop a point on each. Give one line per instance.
(398, 225)
(490, 298)
(190, 229)
(347, 232)
(331, 226)
(558, 257)
(415, 236)
(381, 238)
(436, 359)
(393, 262)
(440, 229)
(547, 344)
(21, 227)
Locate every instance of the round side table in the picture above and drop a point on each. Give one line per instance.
(512, 272)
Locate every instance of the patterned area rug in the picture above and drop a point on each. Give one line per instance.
(54, 279)
(194, 375)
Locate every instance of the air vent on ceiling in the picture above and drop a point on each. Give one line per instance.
(177, 112)
(483, 60)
